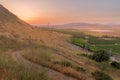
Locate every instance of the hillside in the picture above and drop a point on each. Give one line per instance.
(30, 53)
(12, 26)
(16, 34)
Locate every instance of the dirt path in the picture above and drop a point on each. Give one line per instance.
(26, 63)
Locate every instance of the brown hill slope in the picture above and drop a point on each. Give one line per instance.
(12, 26)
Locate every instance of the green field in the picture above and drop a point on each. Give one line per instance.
(94, 43)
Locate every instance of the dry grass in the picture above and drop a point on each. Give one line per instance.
(12, 27)
(47, 57)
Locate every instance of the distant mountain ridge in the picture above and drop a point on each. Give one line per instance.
(81, 25)
(78, 24)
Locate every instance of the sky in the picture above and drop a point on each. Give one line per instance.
(65, 11)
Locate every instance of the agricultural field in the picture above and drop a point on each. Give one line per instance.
(94, 43)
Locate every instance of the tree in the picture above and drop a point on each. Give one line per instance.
(101, 56)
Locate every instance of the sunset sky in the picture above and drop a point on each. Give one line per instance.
(65, 11)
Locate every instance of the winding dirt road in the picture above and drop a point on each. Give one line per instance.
(17, 56)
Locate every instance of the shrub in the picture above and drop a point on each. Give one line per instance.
(101, 76)
(101, 56)
(66, 64)
(43, 76)
(83, 54)
(115, 65)
(80, 69)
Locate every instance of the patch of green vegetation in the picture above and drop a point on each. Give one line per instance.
(101, 56)
(93, 48)
(95, 44)
(101, 76)
(99, 41)
(66, 64)
(104, 66)
(78, 41)
(115, 48)
(115, 65)
(70, 65)
(85, 55)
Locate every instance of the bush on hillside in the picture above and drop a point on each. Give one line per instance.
(80, 69)
(101, 76)
(43, 76)
(101, 56)
(115, 64)
(66, 64)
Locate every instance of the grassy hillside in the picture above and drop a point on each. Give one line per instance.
(30, 53)
(9, 69)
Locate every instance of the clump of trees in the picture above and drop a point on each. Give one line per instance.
(98, 75)
(101, 56)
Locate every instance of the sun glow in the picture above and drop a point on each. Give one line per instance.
(62, 11)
